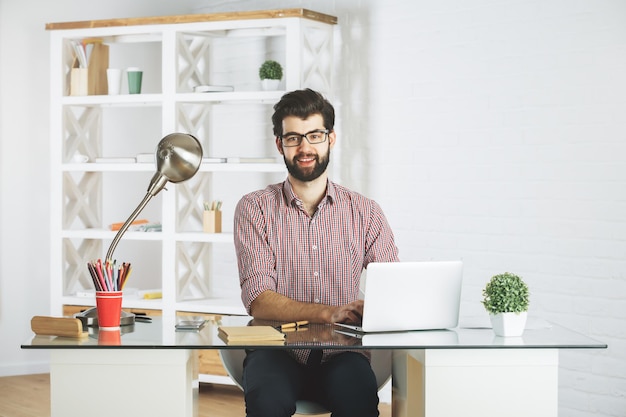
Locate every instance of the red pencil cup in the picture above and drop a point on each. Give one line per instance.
(109, 337)
(109, 309)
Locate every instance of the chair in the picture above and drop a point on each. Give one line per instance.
(233, 362)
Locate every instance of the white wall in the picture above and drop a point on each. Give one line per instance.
(24, 163)
(500, 135)
(489, 130)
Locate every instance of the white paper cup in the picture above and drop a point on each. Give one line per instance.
(114, 80)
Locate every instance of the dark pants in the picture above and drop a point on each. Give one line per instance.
(273, 381)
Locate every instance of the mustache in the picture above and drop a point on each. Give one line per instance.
(306, 155)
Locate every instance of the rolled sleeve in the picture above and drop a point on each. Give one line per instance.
(255, 260)
(380, 246)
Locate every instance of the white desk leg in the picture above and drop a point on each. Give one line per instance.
(123, 383)
(475, 382)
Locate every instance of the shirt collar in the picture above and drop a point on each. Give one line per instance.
(291, 197)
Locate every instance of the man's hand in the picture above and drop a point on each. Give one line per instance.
(270, 305)
(350, 313)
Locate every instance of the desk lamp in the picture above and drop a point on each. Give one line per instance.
(178, 157)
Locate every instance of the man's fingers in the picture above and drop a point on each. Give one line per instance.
(349, 313)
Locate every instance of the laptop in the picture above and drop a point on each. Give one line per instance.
(402, 296)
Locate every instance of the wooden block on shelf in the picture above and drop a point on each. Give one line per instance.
(79, 81)
(210, 363)
(98, 64)
(145, 311)
(70, 310)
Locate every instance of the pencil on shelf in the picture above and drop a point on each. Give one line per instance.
(215, 205)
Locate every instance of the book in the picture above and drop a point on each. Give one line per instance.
(150, 294)
(253, 160)
(118, 225)
(213, 160)
(115, 160)
(145, 157)
(213, 88)
(251, 335)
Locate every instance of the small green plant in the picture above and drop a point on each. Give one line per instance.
(271, 70)
(505, 293)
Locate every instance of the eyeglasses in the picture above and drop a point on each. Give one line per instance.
(313, 137)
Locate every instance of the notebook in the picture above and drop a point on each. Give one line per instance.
(403, 296)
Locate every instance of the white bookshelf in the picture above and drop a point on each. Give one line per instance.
(195, 271)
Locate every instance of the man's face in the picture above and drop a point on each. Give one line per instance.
(306, 162)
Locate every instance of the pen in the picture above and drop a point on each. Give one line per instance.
(292, 325)
(127, 272)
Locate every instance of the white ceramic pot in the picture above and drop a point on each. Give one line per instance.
(270, 85)
(508, 324)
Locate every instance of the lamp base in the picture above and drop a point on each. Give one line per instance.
(89, 318)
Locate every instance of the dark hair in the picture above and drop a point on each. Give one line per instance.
(302, 104)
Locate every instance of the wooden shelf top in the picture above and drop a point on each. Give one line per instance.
(192, 18)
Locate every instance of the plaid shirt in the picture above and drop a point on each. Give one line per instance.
(316, 259)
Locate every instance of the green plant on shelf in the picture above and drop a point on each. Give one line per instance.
(271, 70)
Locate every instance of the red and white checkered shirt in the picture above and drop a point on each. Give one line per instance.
(316, 259)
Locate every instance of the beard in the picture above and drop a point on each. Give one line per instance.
(307, 174)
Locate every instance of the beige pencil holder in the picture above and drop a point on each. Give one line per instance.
(79, 82)
(212, 221)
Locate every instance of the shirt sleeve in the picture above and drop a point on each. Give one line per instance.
(255, 260)
(380, 243)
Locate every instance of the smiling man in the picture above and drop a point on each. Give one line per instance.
(301, 248)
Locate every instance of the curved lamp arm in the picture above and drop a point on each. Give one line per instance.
(178, 156)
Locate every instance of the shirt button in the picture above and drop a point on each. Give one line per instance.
(315, 274)
(314, 247)
(317, 300)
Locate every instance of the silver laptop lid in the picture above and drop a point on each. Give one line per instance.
(412, 295)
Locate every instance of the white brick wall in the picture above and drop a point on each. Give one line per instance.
(494, 131)
(500, 138)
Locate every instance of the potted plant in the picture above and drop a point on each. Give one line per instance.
(270, 72)
(506, 301)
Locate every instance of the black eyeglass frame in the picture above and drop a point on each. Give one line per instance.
(305, 136)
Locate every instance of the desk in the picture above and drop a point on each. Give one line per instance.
(149, 369)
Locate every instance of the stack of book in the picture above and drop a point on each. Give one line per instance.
(251, 335)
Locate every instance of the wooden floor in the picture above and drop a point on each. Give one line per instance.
(29, 396)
